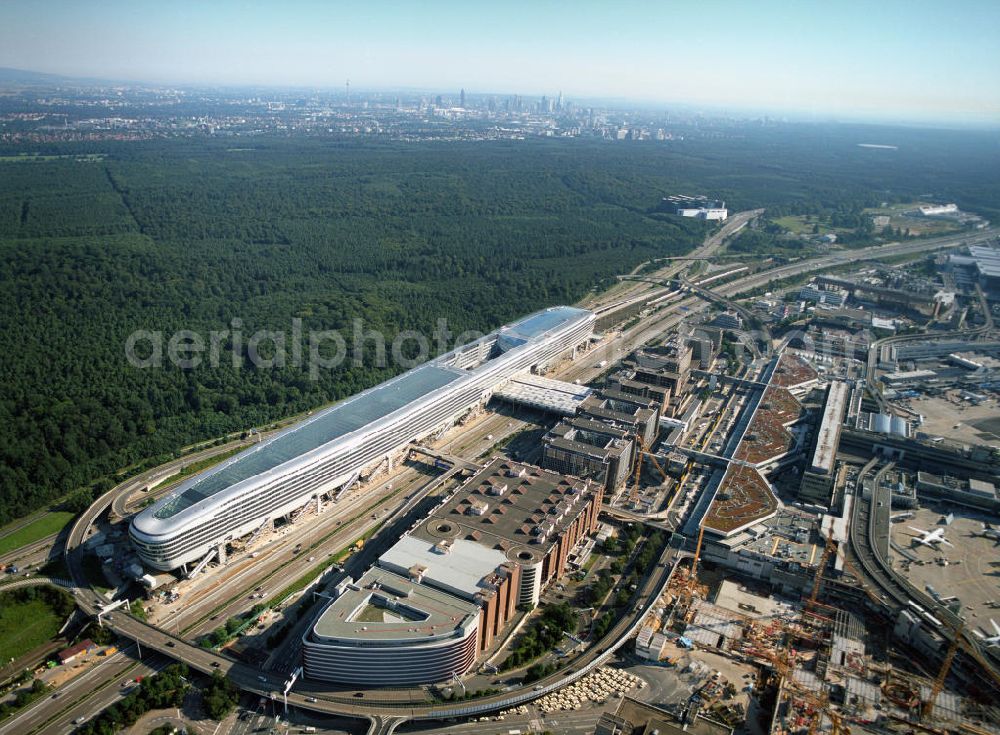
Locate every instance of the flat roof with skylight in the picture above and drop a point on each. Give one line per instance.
(383, 606)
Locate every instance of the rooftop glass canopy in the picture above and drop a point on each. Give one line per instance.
(351, 415)
(330, 424)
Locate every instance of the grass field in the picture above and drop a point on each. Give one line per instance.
(46, 525)
(803, 225)
(24, 626)
(898, 217)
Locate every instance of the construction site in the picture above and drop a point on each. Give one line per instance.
(801, 666)
(779, 618)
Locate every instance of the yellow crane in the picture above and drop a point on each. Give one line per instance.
(927, 707)
(958, 639)
(692, 581)
(643, 451)
(813, 603)
(783, 663)
(829, 548)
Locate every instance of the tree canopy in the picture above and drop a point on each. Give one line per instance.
(192, 234)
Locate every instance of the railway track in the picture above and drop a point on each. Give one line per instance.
(661, 322)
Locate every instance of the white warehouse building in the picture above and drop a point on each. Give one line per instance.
(708, 213)
(330, 449)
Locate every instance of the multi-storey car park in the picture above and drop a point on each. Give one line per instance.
(330, 449)
(445, 591)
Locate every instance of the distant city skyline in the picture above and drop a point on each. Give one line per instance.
(895, 61)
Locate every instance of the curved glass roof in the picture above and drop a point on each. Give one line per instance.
(543, 321)
(334, 422)
(351, 415)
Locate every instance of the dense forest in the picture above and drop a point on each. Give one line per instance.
(193, 234)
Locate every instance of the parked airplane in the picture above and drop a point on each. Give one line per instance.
(993, 641)
(989, 532)
(930, 538)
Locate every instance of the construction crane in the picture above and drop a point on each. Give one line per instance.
(641, 451)
(813, 603)
(958, 639)
(783, 663)
(697, 556)
(927, 707)
(692, 581)
(829, 548)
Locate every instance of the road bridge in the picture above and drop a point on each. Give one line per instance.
(730, 379)
(621, 310)
(875, 349)
(385, 724)
(385, 713)
(658, 521)
(451, 459)
(248, 677)
(21, 582)
(870, 520)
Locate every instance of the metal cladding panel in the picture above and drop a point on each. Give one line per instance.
(316, 455)
(323, 428)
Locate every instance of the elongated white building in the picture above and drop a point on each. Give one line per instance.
(323, 453)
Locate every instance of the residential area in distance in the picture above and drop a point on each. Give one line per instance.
(447, 369)
(757, 503)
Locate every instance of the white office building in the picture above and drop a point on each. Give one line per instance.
(330, 449)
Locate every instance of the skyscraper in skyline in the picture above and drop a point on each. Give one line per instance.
(461, 99)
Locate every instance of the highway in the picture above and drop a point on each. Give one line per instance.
(285, 657)
(712, 243)
(43, 550)
(251, 679)
(798, 268)
(876, 347)
(19, 582)
(228, 590)
(84, 695)
(472, 442)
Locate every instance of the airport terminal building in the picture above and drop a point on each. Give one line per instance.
(331, 449)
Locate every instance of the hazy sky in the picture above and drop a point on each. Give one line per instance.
(894, 59)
